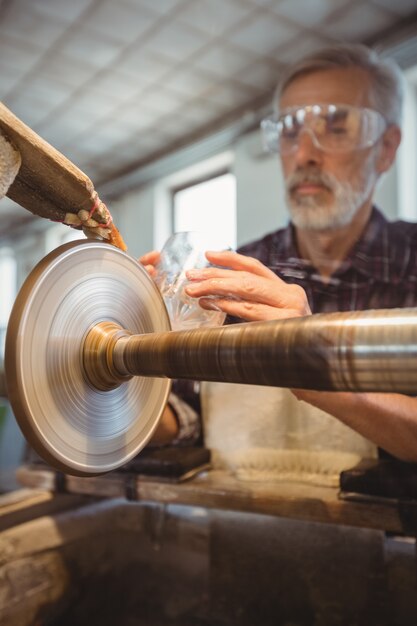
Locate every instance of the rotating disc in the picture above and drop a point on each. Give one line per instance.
(75, 427)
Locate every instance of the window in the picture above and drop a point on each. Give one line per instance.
(407, 158)
(8, 292)
(208, 207)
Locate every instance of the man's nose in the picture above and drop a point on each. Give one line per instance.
(306, 150)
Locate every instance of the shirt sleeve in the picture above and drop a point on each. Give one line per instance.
(184, 401)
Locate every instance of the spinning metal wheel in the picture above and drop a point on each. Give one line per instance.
(75, 426)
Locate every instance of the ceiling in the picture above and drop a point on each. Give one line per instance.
(116, 84)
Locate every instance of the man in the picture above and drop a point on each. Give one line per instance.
(337, 129)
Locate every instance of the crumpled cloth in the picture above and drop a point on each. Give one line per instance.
(10, 161)
(265, 433)
(316, 467)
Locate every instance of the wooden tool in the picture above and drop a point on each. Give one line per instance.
(48, 184)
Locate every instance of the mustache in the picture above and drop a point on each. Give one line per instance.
(311, 176)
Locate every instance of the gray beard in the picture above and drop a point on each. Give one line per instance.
(307, 213)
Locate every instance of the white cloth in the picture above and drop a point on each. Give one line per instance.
(242, 421)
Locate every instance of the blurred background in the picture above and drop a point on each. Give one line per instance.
(159, 103)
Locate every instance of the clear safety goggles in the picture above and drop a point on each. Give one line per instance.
(332, 128)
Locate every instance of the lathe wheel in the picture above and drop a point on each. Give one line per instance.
(71, 424)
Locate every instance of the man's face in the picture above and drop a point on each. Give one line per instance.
(324, 189)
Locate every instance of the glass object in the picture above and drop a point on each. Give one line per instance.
(332, 128)
(181, 252)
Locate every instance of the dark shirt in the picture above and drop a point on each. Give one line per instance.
(380, 271)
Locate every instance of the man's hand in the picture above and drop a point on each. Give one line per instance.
(246, 289)
(150, 260)
(167, 429)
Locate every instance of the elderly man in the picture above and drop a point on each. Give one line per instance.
(336, 129)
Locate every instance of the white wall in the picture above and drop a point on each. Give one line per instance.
(134, 216)
(259, 190)
(386, 196)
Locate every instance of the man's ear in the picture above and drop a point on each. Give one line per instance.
(389, 143)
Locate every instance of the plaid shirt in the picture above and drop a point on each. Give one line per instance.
(380, 272)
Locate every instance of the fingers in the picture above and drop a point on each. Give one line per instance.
(150, 258)
(151, 270)
(245, 286)
(235, 261)
(239, 285)
(248, 296)
(248, 311)
(243, 277)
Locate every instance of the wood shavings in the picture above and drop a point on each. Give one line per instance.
(71, 219)
(96, 223)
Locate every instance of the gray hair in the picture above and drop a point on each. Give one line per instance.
(386, 92)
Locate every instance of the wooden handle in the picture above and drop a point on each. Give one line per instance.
(47, 184)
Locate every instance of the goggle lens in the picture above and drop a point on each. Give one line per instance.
(333, 128)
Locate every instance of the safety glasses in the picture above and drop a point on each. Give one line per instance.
(332, 128)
